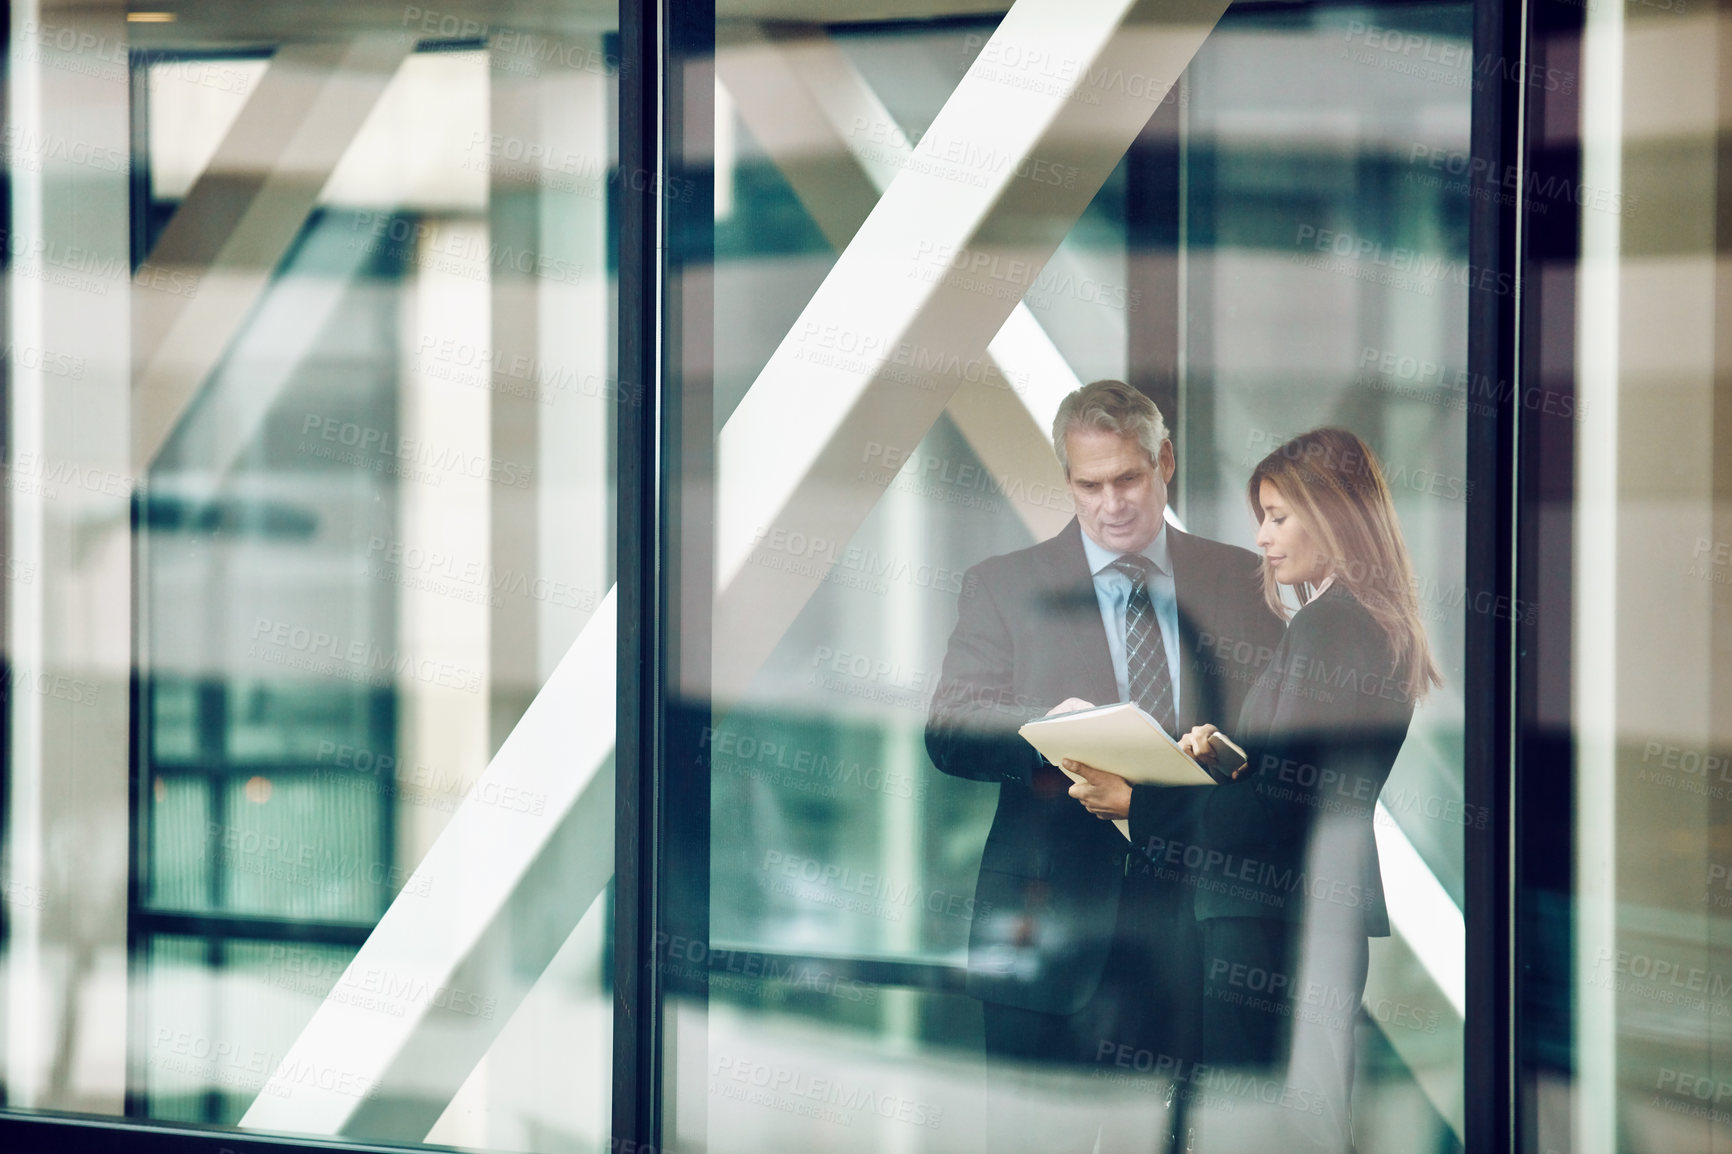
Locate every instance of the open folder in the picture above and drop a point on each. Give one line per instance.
(1121, 739)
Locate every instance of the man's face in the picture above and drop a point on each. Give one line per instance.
(1121, 497)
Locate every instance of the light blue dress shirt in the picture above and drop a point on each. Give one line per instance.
(1113, 591)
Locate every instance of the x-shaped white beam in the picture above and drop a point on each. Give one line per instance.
(1056, 96)
(768, 482)
(224, 243)
(839, 148)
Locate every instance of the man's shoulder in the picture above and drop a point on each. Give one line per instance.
(1052, 557)
(1204, 553)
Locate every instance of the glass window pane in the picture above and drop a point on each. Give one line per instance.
(1627, 732)
(924, 234)
(312, 491)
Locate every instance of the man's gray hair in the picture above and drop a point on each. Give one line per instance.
(1113, 407)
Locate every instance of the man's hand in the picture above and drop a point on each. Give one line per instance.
(1106, 795)
(1070, 705)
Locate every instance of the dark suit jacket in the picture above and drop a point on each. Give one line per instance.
(1294, 838)
(1029, 635)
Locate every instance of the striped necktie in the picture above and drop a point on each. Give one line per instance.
(1151, 683)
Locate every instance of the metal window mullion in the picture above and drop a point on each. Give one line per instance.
(636, 996)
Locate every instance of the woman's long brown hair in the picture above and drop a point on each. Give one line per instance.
(1332, 481)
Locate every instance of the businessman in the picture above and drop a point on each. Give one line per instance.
(1086, 961)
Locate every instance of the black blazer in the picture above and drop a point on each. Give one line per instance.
(1028, 635)
(1294, 837)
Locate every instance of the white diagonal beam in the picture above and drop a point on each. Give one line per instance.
(1421, 967)
(1007, 167)
(803, 100)
(533, 838)
(999, 126)
(290, 321)
(223, 244)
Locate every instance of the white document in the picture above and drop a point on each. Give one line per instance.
(1120, 739)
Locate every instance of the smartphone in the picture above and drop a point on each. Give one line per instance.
(1229, 758)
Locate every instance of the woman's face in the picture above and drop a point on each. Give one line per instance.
(1292, 555)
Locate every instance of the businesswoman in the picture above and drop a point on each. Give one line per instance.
(1282, 857)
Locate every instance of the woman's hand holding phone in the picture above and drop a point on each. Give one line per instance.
(1208, 746)
(1196, 745)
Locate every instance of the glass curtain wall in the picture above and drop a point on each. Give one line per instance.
(1258, 217)
(1630, 720)
(310, 505)
(310, 404)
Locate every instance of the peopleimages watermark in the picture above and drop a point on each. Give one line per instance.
(55, 686)
(1446, 60)
(1434, 382)
(418, 459)
(35, 150)
(513, 50)
(1690, 770)
(70, 48)
(564, 170)
(1298, 669)
(1400, 801)
(1036, 68)
(216, 1061)
(955, 481)
(824, 1099)
(449, 574)
(385, 775)
(1323, 1003)
(1219, 1087)
(1394, 265)
(873, 678)
(1695, 1095)
(1267, 883)
(1478, 176)
(460, 252)
(1397, 475)
(958, 160)
(1012, 278)
(860, 891)
(516, 374)
(23, 895)
(904, 362)
(317, 651)
(32, 474)
(68, 365)
(693, 959)
(385, 990)
(1711, 561)
(804, 769)
(421, 784)
(304, 863)
(854, 566)
(1662, 980)
(90, 270)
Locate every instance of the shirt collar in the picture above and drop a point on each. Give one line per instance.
(1159, 553)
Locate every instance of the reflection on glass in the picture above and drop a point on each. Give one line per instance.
(328, 422)
(844, 872)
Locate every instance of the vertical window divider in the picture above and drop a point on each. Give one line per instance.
(636, 991)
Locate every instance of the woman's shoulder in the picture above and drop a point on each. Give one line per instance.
(1336, 605)
(1336, 624)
